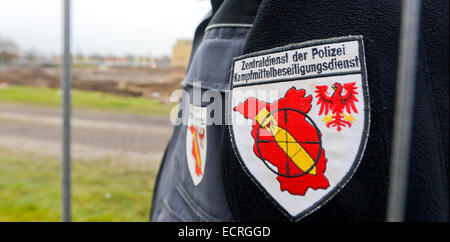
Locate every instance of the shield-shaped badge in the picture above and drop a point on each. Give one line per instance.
(196, 143)
(300, 120)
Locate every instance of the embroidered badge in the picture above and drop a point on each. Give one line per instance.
(300, 120)
(196, 143)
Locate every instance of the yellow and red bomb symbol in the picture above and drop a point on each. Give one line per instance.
(198, 135)
(287, 138)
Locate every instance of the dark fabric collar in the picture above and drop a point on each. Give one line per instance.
(234, 12)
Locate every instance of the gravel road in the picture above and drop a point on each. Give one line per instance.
(95, 135)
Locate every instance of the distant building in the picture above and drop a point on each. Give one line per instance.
(181, 52)
(115, 61)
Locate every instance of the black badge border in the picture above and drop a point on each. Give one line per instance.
(315, 206)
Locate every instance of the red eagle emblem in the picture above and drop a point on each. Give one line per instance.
(337, 102)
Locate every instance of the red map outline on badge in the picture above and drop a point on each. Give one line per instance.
(196, 144)
(299, 133)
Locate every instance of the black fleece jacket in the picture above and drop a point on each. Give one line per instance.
(364, 198)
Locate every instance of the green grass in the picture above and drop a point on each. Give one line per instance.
(30, 189)
(84, 100)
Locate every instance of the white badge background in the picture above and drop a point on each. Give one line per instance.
(341, 148)
(197, 117)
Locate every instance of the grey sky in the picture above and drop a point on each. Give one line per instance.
(118, 27)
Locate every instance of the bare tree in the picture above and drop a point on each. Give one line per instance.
(8, 50)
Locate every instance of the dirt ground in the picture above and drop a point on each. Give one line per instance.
(96, 135)
(157, 83)
(135, 140)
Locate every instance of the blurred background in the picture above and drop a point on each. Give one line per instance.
(127, 56)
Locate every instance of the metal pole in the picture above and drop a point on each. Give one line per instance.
(66, 85)
(403, 110)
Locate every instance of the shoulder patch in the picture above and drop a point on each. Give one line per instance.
(300, 120)
(196, 143)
